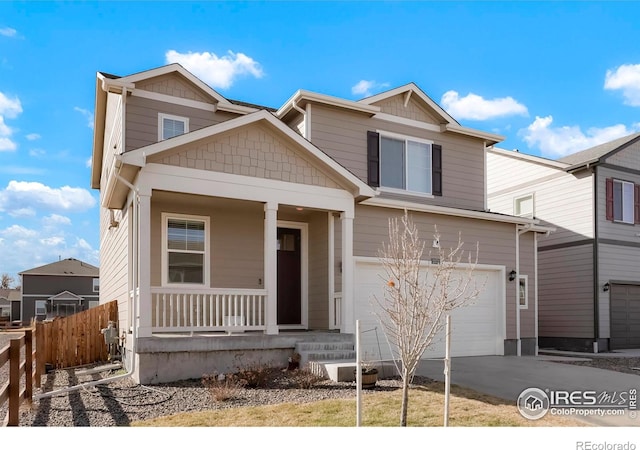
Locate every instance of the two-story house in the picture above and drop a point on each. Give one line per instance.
(589, 268)
(59, 289)
(231, 230)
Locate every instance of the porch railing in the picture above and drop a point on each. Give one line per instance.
(337, 308)
(191, 310)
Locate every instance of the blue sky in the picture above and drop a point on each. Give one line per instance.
(551, 77)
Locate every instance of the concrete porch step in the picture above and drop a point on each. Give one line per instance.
(324, 351)
(345, 370)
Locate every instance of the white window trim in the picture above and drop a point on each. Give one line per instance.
(404, 137)
(41, 304)
(96, 285)
(531, 195)
(165, 249)
(526, 291)
(623, 182)
(162, 116)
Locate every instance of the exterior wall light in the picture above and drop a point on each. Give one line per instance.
(606, 287)
(512, 275)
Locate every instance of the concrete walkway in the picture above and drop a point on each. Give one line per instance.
(507, 376)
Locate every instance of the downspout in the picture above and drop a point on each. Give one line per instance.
(295, 106)
(519, 231)
(135, 303)
(596, 269)
(535, 290)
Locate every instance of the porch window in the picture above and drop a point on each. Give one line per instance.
(41, 308)
(185, 249)
(170, 126)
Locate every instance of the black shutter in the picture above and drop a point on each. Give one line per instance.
(436, 170)
(373, 158)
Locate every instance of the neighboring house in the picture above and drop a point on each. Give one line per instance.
(589, 268)
(8, 299)
(59, 289)
(222, 217)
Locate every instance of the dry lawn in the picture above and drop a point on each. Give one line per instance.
(379, 409)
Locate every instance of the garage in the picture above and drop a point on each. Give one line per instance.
(477, 329)
(625, 316)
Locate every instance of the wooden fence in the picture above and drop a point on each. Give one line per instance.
(76, 340)
(13, 390)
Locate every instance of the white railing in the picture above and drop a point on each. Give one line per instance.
(184, 309)
(337, 311)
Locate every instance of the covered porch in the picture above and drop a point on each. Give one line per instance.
(217, 258)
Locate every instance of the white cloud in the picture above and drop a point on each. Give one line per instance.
(52, 241)
(365, 88)
(627, 79)
(32, 136)
(22, 212)
(88, 162)
(217, 72)
(10, 107)
(18, 232)
(87, 114)
(474, 107)
(37, 152)
(8, 32)
(37, 195)
(557, 142)
(7, 145)
(56, 219)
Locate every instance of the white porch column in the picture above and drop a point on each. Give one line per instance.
(144, 265)
(331, 269)
(270, 265)
(348, 318)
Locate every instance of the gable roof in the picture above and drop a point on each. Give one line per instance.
(66, 295)
(10, 294)
(65, 267)
(138, 156)
(595, 155)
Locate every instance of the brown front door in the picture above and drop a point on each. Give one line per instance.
(289, 277)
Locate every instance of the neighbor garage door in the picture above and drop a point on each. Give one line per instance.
(625, 316)
(477, 329)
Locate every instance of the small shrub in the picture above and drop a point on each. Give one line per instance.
(255, 376)
(304, 378)
(222, 387)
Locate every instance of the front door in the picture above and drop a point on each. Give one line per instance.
(289, 277)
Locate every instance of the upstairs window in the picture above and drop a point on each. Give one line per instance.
(96, 285)
(623, 201)
(402, 163)
(524, 206)
(170, 126)
(185, 242)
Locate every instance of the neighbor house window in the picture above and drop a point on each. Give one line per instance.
(185, 244)
(96, 285)
(170, 126)
(524, 206)
(523, 296)
(623, 201)
(41, 308)
(405, 164)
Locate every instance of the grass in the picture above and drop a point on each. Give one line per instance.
(468, 408)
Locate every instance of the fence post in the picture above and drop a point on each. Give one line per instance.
(14, 383)
(40, 353)
(28, 365)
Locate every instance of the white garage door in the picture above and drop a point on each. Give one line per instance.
(477, 329)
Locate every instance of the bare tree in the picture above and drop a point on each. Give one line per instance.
(6, 281)
(417, 295)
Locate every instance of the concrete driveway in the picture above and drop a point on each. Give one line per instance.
(507, 376)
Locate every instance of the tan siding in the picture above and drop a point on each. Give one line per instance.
(318, 272)
(175, 85)
(608, 229)
(496, 241)
(253, 150)
(566, 292)
(236, 238)
(343, 136)
(563, 201)
(629, 157)
(616, 262)
(142, 119)
(413, 110)
(114, 263)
